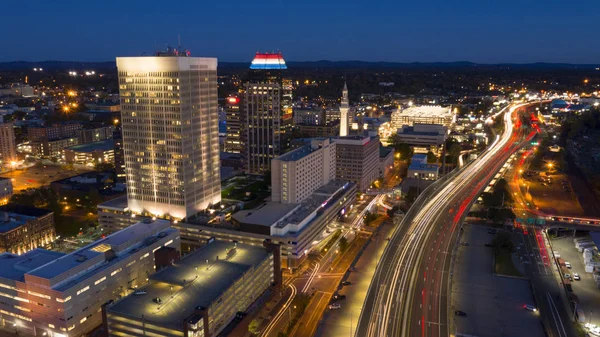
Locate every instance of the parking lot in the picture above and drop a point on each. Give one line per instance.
(40, 175)
(585, 289)
(557, 197)
(493, 304)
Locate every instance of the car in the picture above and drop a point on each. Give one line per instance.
(544, 184)
(567, 276)
(464, 243)
(568, 265)
(140, 292)
(460, 313)
(339, 297)
(157, 300)
(530, 307)
(346, 283)
(334, 306)
(576, 277)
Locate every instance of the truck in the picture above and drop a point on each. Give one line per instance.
(582, 243)
(561, 262)
(585, 245)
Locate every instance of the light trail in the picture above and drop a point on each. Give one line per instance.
(391, 294)
(278, 316)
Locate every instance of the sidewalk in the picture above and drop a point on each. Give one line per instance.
(342, 322)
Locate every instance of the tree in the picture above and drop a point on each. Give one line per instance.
(400, 147)
(343, 244)
(454, 151)
(431, 158)
(104, 167)
(253, 326)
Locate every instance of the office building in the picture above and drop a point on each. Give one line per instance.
(309, 116)
(386, 160)
(233, 124)
(423, 134)
(95, 134)
(357, 160)
(6, 190)
(295, 227)
(427, 114)
(170, 133)
(25, 228)
(420, 169)
(54, 131)
(198, 295)
(8, 147)
(50, 141)
(47, 293)
(267, 112)
(298, 173)
(91, 153)
(344, 107)
(118, 152)
(331, 129)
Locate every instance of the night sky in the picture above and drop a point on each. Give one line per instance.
(482, 31)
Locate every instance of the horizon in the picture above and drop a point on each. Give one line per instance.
(484, 33)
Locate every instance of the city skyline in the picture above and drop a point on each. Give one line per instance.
(436, 32)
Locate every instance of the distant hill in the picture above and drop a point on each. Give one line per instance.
(74, 65)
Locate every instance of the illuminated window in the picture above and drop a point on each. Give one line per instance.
(80, 291)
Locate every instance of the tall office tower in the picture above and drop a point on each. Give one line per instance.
(8, 148)
(170, 133)
(233, 125)
(344, 107)
(267, 112)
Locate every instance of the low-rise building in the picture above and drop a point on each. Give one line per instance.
(91, 153)
(25, 228)
(83, 185)
(426, 114)
(423, 135)
(420, 169)
(95, 134)
(296, 227)
(198, 295)
(48, 293)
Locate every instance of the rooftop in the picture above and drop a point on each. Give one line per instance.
(426, 111)
(268, 61)
(104, 145)
(118, 203)
(132, 237)
(10, 221)
(265, 215)
(191, 283)
(14, 267)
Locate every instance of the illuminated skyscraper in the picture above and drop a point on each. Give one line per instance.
(344, 107)
(267, 112)
(233, 124)
(170, 133)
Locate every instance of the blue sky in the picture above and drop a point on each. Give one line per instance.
(233, 30)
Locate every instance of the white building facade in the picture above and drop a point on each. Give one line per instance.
(297, 174)
(170, 134)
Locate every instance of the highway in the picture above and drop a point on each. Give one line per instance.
(409, 292)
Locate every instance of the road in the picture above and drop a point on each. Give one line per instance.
(539, 262)
(321, 279)
(409, 292)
